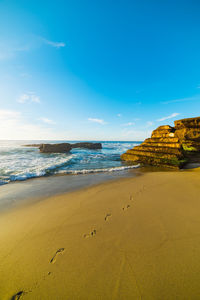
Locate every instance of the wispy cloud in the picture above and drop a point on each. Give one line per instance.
(15, 126)
(119, 115)
(11, 49)
(194, 98)
(128, 124)
(168, 117)
(53, 44)
(99, 121)
(28, 98)
(8, 51)
(47, 121)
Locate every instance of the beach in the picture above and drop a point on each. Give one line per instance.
(129, 238)
(99, 150)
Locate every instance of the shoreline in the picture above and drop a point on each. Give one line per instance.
(19, 193)
(132, 238)
(37, 164)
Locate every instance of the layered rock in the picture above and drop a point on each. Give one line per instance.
(169, 146)
(188, 131)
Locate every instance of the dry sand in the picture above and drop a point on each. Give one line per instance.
(134, 238)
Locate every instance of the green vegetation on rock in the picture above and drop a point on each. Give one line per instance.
(169, 146)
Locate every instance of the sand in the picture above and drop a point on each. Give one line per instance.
(134, 238)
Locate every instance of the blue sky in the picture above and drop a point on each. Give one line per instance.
(97, 70)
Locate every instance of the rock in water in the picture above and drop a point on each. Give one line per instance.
(66, 147)
(55, 148)
(33, 145)
(169, 146)
(87, 145)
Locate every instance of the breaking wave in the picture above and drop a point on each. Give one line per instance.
(20, 163)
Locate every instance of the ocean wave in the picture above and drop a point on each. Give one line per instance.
(88, 171)
(41, 173)
(20, 163)
(34, 171)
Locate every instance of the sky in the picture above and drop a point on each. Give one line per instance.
(97, 70)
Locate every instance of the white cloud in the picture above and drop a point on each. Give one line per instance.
(119, 115)
(28, 98)
(54, 44)
(47, 121)
(11, 49)
(128, 124)
(194, 98)
(168, 117)
(99, 121)
(15, 127)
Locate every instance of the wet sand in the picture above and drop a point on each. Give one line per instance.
(19, 193)
(133, 238)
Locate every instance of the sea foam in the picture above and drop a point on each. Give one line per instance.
(20, 163)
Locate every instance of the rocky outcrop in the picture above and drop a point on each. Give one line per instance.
(188, 132)
(55, 148)
(87, 145)
(32, 145)
(65, 147)
(169, 146)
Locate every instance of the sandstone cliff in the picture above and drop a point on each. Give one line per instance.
(169, 146)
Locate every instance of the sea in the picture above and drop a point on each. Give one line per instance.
(19, 163)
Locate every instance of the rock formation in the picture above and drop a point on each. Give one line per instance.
(188, 132)
(32, 145)
(87, 145)
(65, 147)
(55, 148)
(169, 146)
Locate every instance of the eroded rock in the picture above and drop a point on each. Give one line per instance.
(65, 147)
(87, 145)
(169, 146)
(55, 148)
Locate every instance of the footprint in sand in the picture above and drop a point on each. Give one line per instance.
(126, 207)
(18, 295)
(91, 234)
(59, 251)
(107, 217)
